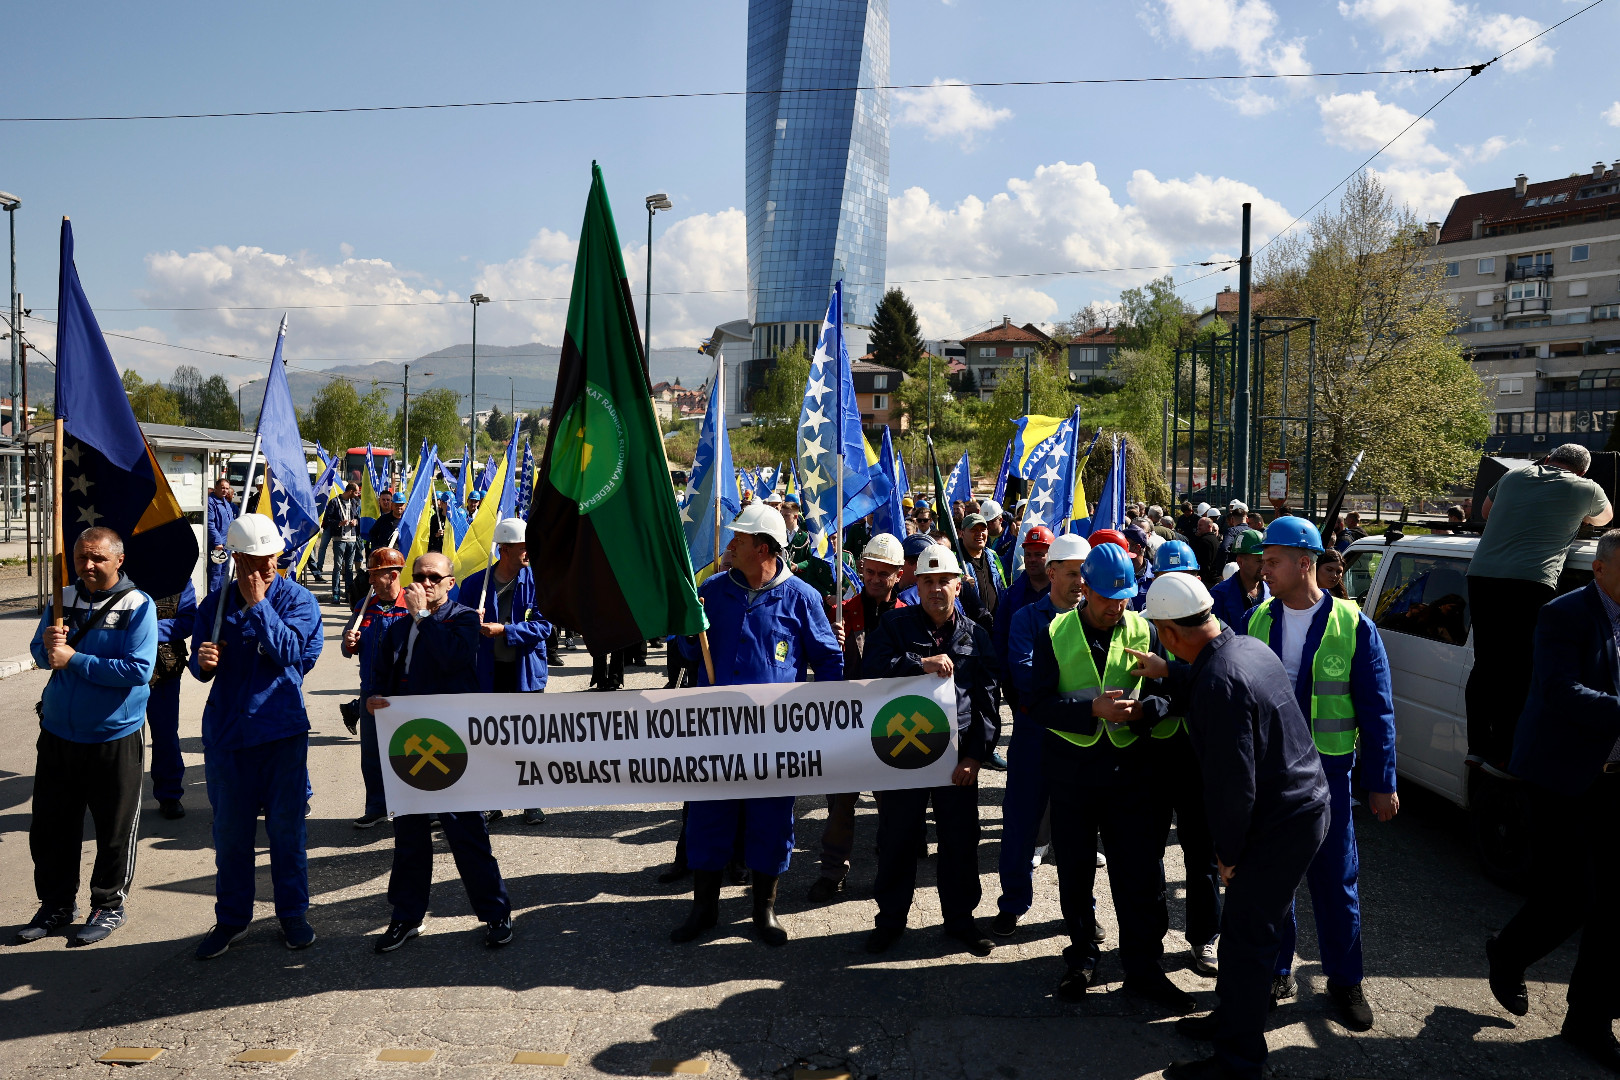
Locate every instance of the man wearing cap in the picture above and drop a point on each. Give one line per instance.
(1023, 806)
(765, 626)
(1104, 768)
(379, 610)
(882, 563)
(1335, 661)
(512, 652)
(935, 638)
(390, 513)
(342, 516)
(255, 731)
(983, 564)
(1245, 590)
(1029, 586)
(1266, 800)
(434, 650)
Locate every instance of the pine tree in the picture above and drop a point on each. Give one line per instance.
(896, 338)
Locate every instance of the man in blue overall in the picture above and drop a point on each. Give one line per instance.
(256, 733)
(1336, 663)
(765, 626)
(221, 512)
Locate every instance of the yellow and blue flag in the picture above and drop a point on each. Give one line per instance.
(292, 502)
(713, 479)
(829, 438)
(109, 476)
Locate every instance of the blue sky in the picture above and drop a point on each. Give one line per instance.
(432, 206)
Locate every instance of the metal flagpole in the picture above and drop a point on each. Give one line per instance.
(838, 428)
(230, 563)
(58, 556)
(714, 477)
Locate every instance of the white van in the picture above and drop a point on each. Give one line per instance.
(1416, 591)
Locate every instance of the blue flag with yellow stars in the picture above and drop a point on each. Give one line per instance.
(830, 438)
(109, 476)
(291, 500)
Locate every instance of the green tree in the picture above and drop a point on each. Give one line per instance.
(216, 406)
(778, 403)
(1390, 377)
(499, 426)
(152, 402)
(436, 417)
(339, 416)
(896, 336)
(1048, 396)
(1146, 381)
(1154, 317)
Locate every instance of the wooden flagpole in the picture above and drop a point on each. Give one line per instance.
(58, 555)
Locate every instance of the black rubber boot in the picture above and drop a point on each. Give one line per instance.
(770, 931)
(705, 907)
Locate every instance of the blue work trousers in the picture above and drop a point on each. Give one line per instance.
(1023, 805)
(711, 830)
(216, 574)
(371, 763)
(1335, 899)
(163, 718)
(1259, 902)
(412, 876)
(272, 777)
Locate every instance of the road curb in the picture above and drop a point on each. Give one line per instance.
(16, 665)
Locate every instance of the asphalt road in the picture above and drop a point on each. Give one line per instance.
(592, 974)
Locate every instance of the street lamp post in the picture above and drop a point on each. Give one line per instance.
(472, 409)
(405, 450)
(655, 203)
(10, 203)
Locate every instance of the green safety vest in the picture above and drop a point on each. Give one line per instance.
(1333, 714)
(1077, 672)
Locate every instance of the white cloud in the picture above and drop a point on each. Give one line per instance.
(1409, 27)
(1061, 218)
(1361, 122)
(1429, 193)
(1488, 150)
(948, 109)
(1246, 28)
(1611, 115)
(1502, 32)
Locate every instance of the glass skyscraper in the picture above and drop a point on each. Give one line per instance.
(818, 164)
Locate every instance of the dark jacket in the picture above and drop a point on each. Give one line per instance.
(444, 660)
(1571, 719)
(855, 630)
(905, 635)
(1261, 771)
(383, 530)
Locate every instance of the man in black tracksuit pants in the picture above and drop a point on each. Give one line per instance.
(935, 638)
(1267, 798)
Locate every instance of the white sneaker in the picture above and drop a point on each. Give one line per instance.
(1040, 854)
(1206, 961)
(1102, 860)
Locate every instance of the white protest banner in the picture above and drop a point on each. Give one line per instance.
(502, 751)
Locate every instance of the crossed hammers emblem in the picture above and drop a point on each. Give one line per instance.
(897, 725)
(429, 753)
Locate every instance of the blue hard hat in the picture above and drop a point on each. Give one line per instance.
(1108, 570)
(1174, 555)
(916, 544)
(478, 493)
(1294, 532)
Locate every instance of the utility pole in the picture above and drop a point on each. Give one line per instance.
(655, 203)
(405, 410)
(472, 408)
(10, 203)
(1240, 403)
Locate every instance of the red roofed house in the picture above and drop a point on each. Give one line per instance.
(991, 350)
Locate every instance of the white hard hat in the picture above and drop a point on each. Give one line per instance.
(1238, 505)
(1068, 546)
(990, 509)
(884, 548)
(254, 534)
(938, 559)
(1203, 508)
(511, 530)
(1228, 570)
(761, 519)
(1175, 596)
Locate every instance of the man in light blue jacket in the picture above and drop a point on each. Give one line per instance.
(91, 747)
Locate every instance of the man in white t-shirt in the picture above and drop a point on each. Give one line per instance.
(1340, 675)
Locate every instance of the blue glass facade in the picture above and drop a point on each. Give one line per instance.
(817, 163)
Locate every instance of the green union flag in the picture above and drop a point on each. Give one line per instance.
(604, 533)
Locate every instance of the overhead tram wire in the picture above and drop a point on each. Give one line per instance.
(1472, 71)
(699, 94)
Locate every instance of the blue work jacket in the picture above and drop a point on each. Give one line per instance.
(905, 635)
(1571, 718)
(1370, 692)
(526, 631)
(101, 694)
(265, 652)
(1032, 621)
(1013, 597)
(221, 512)
(443, 660)
(770, 635)
(1232, 606)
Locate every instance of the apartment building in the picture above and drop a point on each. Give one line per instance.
(991, 350)
(1534, 271)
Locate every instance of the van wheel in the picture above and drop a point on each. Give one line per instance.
(1498, 816)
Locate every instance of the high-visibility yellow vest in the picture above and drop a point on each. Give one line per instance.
(1077, 672)
(1333, 714)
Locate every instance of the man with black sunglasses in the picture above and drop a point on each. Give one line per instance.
(434, 650)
